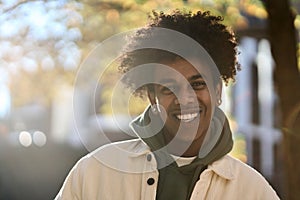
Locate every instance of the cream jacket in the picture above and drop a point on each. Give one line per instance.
(127, 171)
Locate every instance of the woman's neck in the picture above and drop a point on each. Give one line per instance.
(183, 148)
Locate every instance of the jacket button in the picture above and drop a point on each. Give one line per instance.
(150, 181)
(149, 157)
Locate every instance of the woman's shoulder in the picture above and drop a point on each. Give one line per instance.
(126, 146)
(116, 155)
(240, 168)
(234, 169)
(247, 177)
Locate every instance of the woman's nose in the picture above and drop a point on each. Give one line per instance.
(185, 96)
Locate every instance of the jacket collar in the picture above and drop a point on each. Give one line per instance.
(223, 167)
(140, 149)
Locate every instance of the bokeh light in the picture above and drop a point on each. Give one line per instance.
(39, 138)
(25, 139)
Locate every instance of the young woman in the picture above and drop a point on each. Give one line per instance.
(183, 137)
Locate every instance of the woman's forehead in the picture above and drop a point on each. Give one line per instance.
(180, 68)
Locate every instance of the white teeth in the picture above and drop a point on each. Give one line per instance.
(187, 117)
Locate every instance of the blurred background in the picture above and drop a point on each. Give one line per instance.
(43, 43)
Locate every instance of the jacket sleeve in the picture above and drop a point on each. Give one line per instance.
(267, 192)
(71, 189)
(258, 186)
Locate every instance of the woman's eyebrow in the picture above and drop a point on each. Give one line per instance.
(195, 77)
(166, 80)
(170, 80)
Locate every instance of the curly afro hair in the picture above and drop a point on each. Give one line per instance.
(206, 29)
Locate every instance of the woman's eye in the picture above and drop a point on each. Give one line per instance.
(198, 85)
(168, 89)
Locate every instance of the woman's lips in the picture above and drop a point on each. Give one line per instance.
(187, 117)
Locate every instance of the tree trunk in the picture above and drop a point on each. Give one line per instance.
(283, 39)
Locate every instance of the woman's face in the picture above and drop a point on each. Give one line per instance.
(188, 97)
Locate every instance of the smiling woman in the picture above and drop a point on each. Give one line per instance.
(183, 136)
(187, 101)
